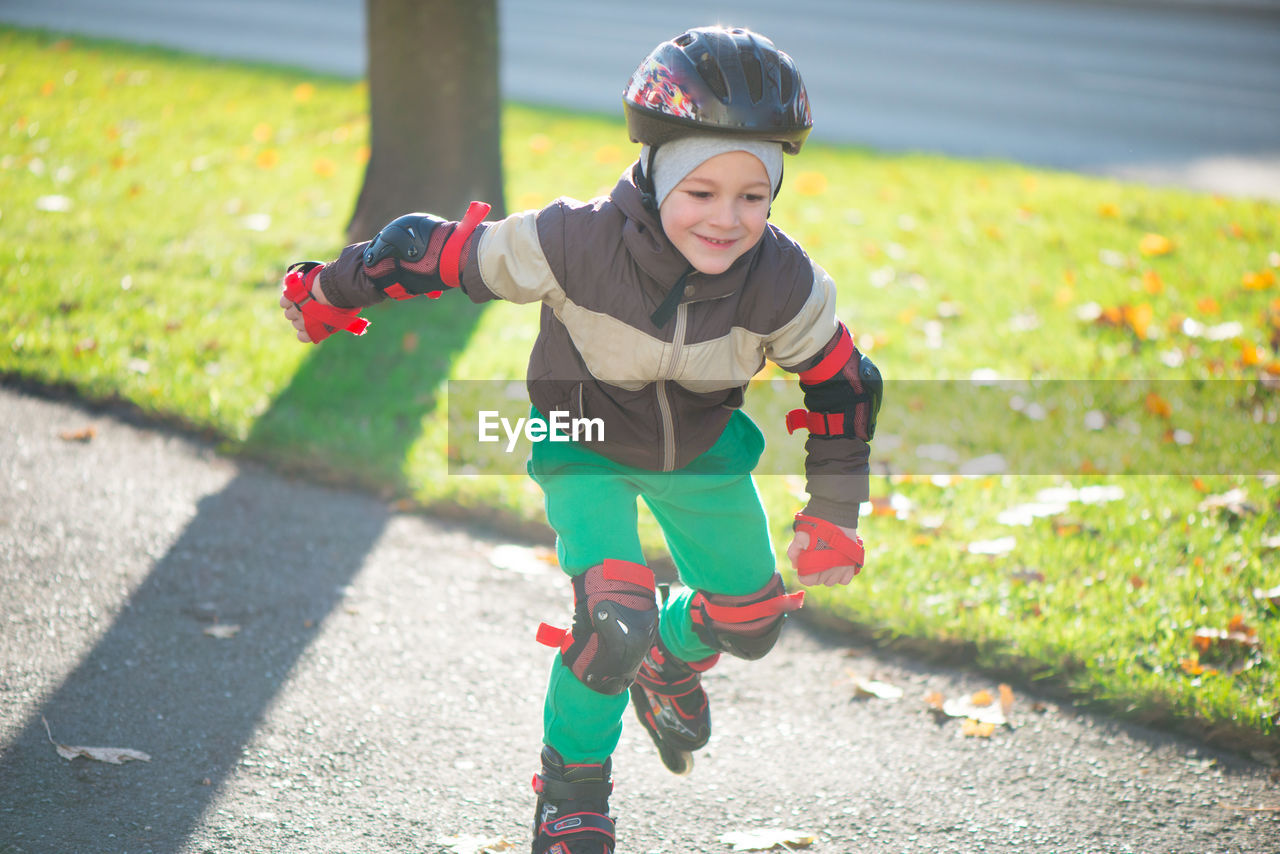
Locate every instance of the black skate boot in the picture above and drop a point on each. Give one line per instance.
(572, 816)
(671, 704)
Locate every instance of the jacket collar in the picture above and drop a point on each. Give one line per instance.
(647, 243)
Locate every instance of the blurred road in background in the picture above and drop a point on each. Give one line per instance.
(1167, 91)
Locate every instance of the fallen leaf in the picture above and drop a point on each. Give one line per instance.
(1158, 406)
(974, 728)
(1239, 636)
(1208, 306)
(474, 844)
(1002, 545)
(768, 839)
(966, 707)
(1138, 318)
(876, 688)
(111, 755)
(1271, 597)
(521, 559)
(53, 204)
(1025, 514)
(1084, 495)
(222, 631)
(1231, 502)
(1259, 281)
(811, 183)
(84, 434)
(1006, 699)
(1155, 244)
(982, 698)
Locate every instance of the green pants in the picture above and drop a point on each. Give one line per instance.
(715, 529)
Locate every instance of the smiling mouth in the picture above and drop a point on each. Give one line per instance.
(717, 243)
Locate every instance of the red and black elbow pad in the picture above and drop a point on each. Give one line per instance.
(842, 393)
(421, 254)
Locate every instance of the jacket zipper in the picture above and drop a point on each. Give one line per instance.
(664, 403)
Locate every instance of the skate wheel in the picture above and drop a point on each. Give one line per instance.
(679, 762)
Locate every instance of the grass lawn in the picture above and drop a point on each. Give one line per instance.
(1076, 461)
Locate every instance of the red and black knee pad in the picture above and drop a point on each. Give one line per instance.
(744, 626)
(615, 622)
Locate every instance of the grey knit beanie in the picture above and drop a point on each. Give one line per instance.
(675, 160)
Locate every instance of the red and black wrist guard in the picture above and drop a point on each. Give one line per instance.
(842, 393)
(828, 547)
(421, 254)
(320, 320)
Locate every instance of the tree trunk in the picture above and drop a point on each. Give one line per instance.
(433, 111)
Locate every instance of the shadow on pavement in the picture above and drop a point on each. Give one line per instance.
(154, 681)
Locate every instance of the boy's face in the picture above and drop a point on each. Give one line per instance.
(718, 211)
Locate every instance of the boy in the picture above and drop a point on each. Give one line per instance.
(659, 303)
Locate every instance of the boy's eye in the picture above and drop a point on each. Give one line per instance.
(754, 198)
(700, 194)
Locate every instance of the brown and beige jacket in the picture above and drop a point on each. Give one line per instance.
(600, 269)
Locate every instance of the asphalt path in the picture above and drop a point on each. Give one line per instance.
(378, 690)
(1183, 92)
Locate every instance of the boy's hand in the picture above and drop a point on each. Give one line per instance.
(294, 315)
(305, 305)
(843, 559)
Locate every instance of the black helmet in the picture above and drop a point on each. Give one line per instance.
(723, 80)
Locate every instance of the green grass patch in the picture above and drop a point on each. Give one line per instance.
(151, 201)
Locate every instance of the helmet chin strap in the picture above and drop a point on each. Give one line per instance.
(643, 177)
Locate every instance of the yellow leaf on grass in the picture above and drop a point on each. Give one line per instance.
(608, 154)
(324, 167)
(303, 92)
(268, 158)
(1155, 244)
(1158, 406)
(1108, 210)
(811, 183)
(1208, 306)
(1250, 354)
(1151, 282)
(1138, 318)
(540, 143)
(1258, 281)
(1237, 636)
